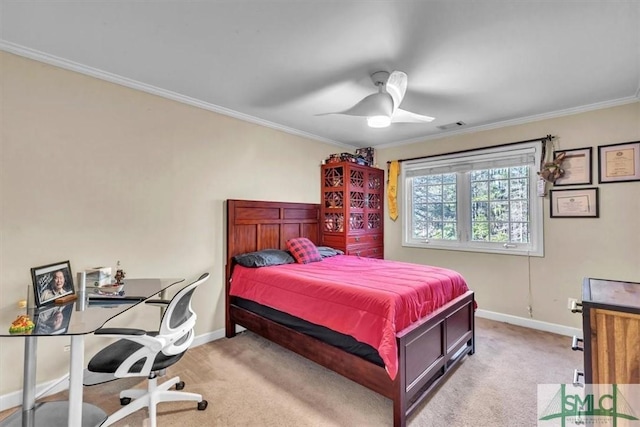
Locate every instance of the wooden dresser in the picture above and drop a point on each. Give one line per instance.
(351, 209)
(611, 325)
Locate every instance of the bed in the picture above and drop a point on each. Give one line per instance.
(426, 350)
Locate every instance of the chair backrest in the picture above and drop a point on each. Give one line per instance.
(179, 320)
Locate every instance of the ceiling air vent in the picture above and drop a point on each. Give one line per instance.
(452, 125)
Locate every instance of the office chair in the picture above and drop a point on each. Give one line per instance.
(141, 353)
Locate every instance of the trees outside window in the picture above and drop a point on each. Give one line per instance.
(481, 200)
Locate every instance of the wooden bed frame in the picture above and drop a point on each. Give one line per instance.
(427, 350)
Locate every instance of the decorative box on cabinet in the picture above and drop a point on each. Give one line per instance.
(611, 327)
(352, 209)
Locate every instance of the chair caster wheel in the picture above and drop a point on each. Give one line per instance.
(202, 405)
(180, 385)
(125, 401)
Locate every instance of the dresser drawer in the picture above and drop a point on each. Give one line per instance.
(375, 239)
(367, 251)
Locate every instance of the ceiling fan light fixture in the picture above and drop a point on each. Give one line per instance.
(379, 121)
(381, 108)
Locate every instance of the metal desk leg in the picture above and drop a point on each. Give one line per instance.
(29, 380)
(75, 380)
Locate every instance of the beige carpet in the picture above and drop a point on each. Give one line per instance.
(249, 381)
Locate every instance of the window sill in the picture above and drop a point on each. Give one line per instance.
(466, 248)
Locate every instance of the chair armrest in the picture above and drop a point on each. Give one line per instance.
(120, 331)
(152, 342)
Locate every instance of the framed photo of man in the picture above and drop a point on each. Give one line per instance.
(53, 319)
(51, 282)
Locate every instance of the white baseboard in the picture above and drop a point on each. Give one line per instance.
(530, 323)
(11, 400)
(208, 337)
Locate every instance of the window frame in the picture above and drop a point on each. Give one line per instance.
(462, 163)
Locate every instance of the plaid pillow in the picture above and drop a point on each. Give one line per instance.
(303, 250)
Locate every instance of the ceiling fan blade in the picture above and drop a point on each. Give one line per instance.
(404, 116)
(396, 87)
(377, 104)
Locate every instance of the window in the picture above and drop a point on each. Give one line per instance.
(481, 200)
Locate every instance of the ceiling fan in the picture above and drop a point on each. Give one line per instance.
(382, 108)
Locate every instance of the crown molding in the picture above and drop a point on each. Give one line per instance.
(520, 121)
(134, 84)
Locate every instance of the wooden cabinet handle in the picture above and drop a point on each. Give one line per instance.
(574, 344)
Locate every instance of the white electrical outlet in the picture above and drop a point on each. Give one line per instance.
(571, 303)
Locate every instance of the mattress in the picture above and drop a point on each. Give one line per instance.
(368, 299)
(336, 339)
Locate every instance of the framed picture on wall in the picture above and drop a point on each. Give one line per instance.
(578, 203)
(51, 282)
(576, 166)
(619, 162)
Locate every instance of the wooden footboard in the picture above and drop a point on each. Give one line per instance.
(428, 350)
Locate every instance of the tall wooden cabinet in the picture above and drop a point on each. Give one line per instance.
(352, 209)
(611, 326)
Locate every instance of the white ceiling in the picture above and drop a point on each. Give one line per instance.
(280, 63)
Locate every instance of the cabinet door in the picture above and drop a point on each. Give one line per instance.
(357, 196)
(333, 199)
(615, 347)
(374, 200)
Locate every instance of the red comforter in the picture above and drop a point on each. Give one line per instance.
(369, 299)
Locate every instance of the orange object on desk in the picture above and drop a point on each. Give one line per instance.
(22, 324)
(65, 299)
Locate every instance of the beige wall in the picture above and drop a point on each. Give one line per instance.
(607, 247)
(94, 172)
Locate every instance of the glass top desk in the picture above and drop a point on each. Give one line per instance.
(75, 319)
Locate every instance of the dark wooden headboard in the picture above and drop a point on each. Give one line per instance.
(255, 225)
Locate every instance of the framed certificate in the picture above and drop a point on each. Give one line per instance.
(576, 166)
(619, 162)
(574, 203)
